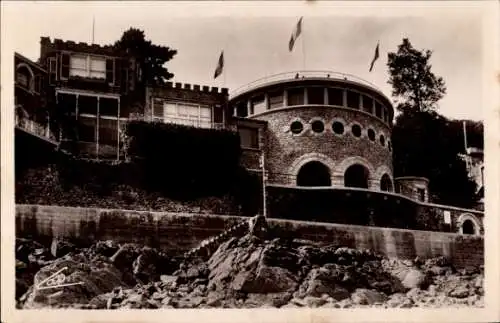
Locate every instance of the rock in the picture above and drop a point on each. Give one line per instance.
(415, 278)
(396, 300)
(61, 247)
(214, 299)
(94, 278)
(432, 290)
(367, 297)
(267, 300)
(314, 302)
(460, 292)
(169, 280)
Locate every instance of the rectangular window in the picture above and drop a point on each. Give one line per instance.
(378, 110)
(110, 71)
(108, 107)
(295, 97)
(421, 194)
(249, 137)
(86, 66)
(183, 114)
(108, 131)
(367, 104)
(336, 97)
(259, 104)
(65, 66)
(78, 66)
(241, 109)
(353, 100)
(97, 67)
(52, 70)
(275, 100)
(315, 95)
(67, 102)
(87, 129)
(87, 105)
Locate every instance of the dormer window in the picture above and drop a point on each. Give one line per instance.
(25, 77)
(88, 66)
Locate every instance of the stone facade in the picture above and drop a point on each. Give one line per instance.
(327, 112)
(287, 152)
(416, 188)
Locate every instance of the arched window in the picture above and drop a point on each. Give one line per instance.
(25, 77)
(468, 227)
(386, 183)
(314, 173)
(356, 176)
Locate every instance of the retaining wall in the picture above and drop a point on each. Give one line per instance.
(176, 233)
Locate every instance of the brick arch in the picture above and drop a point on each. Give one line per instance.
(341, 168)
(306, 158)
(468, 216)
(32, 75)
(381, 171)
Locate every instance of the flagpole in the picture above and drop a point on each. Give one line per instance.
(93, 28)
(303, 46)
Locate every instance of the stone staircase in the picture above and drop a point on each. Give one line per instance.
(207, 247)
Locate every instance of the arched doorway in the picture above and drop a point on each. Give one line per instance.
(386, 183)
(314, 173)
(356, 176)
(468, 227)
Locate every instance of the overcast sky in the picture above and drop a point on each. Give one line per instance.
(255, 37)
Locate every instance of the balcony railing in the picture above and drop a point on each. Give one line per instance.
(35, 128)
(300, 75)
(185, 122)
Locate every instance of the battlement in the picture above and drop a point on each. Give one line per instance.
(197, 88)
(59, 44)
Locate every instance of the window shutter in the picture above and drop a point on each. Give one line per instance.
(110, 71)
(64, 66)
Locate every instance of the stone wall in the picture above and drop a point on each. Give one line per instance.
(287, 152)
(177, 233)
(364, 207)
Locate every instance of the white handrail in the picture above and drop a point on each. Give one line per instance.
(302, 74)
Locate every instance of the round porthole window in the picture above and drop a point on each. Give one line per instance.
(296, 127)
(382, 140)
(356, 130)
(338, 127)
(371, 134)
(317, 126)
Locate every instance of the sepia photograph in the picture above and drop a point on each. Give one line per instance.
(305, 155)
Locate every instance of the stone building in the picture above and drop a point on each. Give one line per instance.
(304, 131)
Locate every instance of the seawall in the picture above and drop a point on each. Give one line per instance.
(178, 232)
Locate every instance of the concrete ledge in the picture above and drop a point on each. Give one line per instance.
(178, 232)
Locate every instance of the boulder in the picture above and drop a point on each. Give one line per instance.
(363, 296)
(415, 278)
(94, 277)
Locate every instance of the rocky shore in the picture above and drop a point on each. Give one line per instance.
(246, 272)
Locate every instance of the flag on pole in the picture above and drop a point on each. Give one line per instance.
(295, 34)
(220, 65)
(375, 57)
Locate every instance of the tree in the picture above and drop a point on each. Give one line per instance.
(151, 57)
(412, 80)
(425, 143)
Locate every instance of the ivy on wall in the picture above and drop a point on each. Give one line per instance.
(184, 161)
